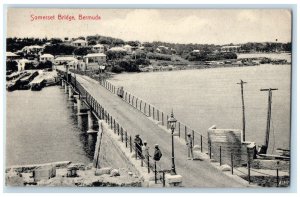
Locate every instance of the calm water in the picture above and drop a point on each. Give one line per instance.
(42, 127)
(202, 98)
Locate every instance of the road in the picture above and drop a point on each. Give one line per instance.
(195, 173)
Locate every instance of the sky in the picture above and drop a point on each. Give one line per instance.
(203, 26)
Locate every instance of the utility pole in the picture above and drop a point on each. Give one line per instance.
(264, 147)
(243, 108)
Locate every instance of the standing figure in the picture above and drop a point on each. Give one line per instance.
(138, 145)
(189, 144)
(145, 150)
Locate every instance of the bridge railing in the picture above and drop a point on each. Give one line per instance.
(125, 136)
(181, 131)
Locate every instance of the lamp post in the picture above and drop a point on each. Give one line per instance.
(172, 123)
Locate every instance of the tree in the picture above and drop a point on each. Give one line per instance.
(55, 40)
(11, 66)
(59, 49)
(82, 51)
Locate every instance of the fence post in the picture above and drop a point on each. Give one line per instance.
(129, 99)
(209, 144)
(118, 129)
(231, 163)
(149, 111)
(130, 144)
(135, 148)
(157, 115)
(132, 101)
(201, 144)
(148, 163)
(277, 177)
(179, 129)
(121, 134)
(141, 105)
(114, 126)
(162, 118)
(155, 173)
(126, 139)
(153, 113)
(220, 155)
(111, 124)
(249, 171)
(193, 137)
(145, 108)
(164, 181)
(136, 101)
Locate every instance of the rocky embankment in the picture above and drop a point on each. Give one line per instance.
(70, 174)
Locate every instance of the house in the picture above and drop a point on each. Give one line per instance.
(94, 59)
(79, 43)
(99, 48)
(22, 63)
(65, 60)
(128, 48)
(231, 48)
(11, 56)
(117, 49)
(47, 57)
(33, 49)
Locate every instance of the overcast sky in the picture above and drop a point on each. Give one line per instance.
(178, 26)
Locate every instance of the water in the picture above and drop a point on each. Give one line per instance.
(202, 98)
(42, 127)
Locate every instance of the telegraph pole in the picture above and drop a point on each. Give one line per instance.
(243, 108)
(264, 147)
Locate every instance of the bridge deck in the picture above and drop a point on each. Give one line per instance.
(195, 173)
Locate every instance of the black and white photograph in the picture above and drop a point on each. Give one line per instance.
(153, 98)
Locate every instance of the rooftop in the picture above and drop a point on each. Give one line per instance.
(95, 55)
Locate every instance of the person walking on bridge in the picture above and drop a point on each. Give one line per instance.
(138, 146)
(189, 143)
(145, 150)
(157, 155)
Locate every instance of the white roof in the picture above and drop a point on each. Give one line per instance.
(79, 41)
(98, 45)
(127, 46)
(117, 49)
(47, 55)
(10, 54)
(35, 46)
(196, 50)
(95, 55)
(65, 59)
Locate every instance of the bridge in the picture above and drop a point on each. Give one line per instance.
(128, 116)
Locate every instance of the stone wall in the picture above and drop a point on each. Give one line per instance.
(230, 142)
(110, 153)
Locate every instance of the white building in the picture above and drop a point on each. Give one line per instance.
(65, 60)
(47, 57)
(128, 48)
(99, 48)
(79, 43)
(33, 49)
(94, 60)
(22, 63)
(11, 56)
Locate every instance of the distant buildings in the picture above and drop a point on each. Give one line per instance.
(33, 50)
(11, 56)
(47, 57)
(99, 48)
(65, 60)
(231, 48)
(79, 43)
